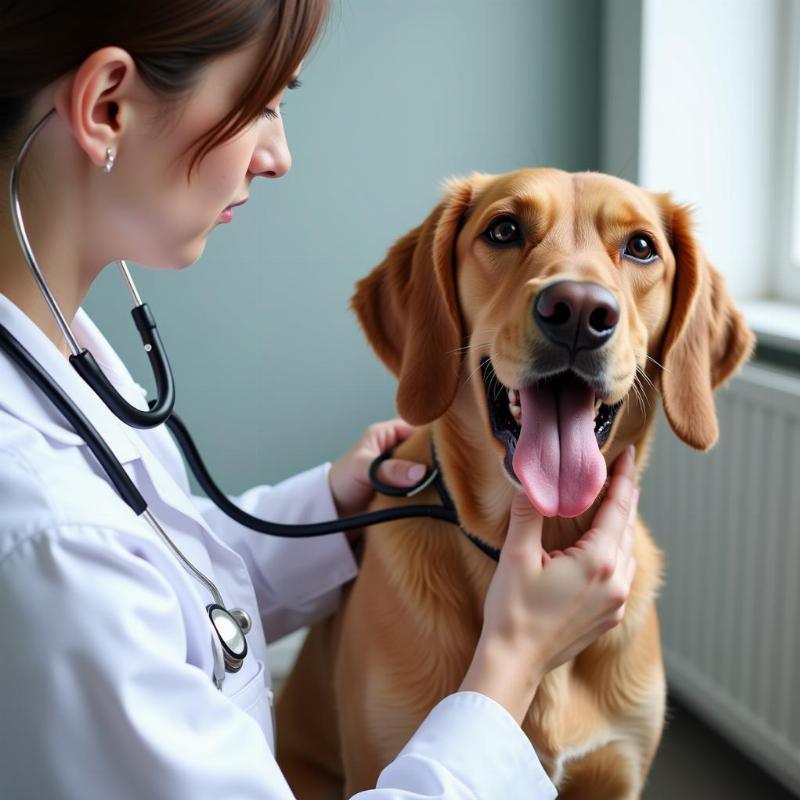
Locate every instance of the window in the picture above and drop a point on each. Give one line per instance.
(787, 259)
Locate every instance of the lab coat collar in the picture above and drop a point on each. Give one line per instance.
(23, 400)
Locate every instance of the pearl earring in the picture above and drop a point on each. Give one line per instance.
(109, 165)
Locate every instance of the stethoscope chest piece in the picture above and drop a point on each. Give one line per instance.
(230, 628)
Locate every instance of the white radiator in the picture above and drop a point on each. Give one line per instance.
(729, 523)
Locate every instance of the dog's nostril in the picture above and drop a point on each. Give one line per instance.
(602, 319)
(561, 314)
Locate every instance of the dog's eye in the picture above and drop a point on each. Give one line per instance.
(641, 248)
(503, 230)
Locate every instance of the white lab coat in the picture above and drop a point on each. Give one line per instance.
(106, 660)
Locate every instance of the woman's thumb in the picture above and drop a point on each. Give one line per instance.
(524, 538)
(400, 473)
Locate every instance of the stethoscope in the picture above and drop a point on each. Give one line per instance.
(229, 627)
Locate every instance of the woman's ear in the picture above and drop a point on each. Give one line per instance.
(408, 309)
(706, 340)
(94, 100)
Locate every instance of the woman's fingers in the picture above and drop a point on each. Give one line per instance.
(524, 537)
(603, 540)
(615, 509)
(626, 546)
(388, 434)
(620, 581)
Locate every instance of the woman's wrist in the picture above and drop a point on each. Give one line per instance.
(504, 673)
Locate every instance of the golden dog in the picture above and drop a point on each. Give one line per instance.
(529, 320)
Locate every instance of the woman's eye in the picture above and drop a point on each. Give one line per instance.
(641, 247)
(271, 113)
(503, 230)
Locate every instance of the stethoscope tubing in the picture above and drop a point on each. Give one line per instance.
(218, 497)
(86, 366)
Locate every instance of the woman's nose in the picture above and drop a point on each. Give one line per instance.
(271, 158)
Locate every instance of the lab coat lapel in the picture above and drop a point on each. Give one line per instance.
(22, 399)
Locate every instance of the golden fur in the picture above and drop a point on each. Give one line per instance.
(408, 627)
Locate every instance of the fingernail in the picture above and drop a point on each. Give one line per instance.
(632, 451)
(417, 472)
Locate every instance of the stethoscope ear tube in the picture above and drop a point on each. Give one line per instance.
(159, 363)
(86, 366)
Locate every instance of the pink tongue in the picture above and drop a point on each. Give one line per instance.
(557, 459)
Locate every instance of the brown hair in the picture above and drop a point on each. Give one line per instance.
(169, 40)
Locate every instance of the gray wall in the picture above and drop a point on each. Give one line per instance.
(620, 101)
(273, 373)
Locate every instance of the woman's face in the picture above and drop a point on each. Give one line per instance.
(163, 214)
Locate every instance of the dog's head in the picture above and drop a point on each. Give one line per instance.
(570, 295)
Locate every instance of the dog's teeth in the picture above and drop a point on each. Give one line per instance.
(510, 395)
(516, 411)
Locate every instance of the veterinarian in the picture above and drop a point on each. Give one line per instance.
(156, 118)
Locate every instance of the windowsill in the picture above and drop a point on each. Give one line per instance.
(775, 323)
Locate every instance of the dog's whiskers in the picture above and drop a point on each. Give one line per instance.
(479, 346)
(636, 391)
(463, 349)
(640, 390)
(661, 366)
(471, 375)
(647, 378)
(642, 402)
(497, 386)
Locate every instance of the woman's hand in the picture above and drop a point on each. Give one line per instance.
(543, 608)
(349, 475)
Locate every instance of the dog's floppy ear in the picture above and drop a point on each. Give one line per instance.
(408, 309)
(706, 340)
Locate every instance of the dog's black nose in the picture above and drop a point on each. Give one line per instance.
(576, 314)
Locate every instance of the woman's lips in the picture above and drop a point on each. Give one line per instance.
(226, 215)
